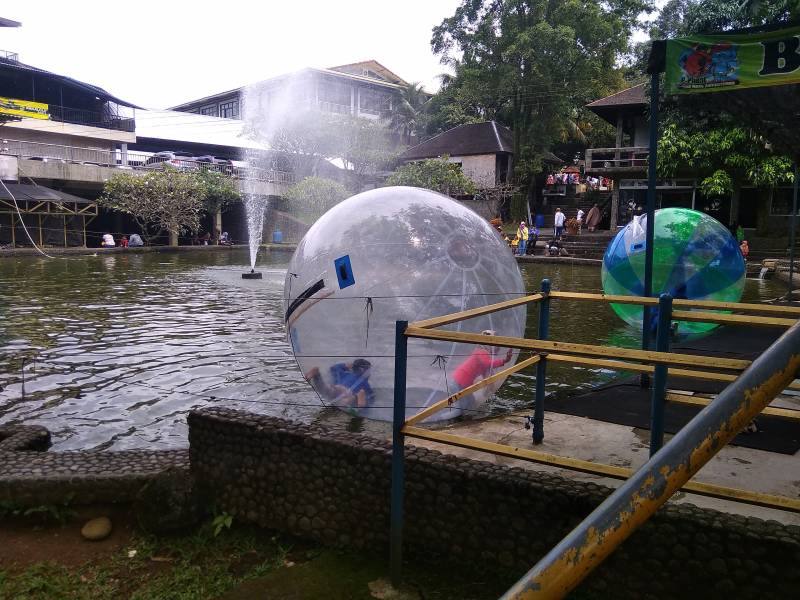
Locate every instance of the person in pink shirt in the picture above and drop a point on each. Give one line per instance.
(477, 366)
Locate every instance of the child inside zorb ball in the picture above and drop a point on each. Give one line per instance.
(392, 254)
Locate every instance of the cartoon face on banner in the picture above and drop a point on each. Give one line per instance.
(694, 257)
(397, 253)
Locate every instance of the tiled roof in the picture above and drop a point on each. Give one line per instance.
(630, 97)
(13, 65)
(474, 138)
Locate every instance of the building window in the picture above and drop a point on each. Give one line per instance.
(782, 201)
(334, 96)
(373, 101)
(229, 110)
(210, 111)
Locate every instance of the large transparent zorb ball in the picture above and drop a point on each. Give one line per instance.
(397, 253)
(694, 257)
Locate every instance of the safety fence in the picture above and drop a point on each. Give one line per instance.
(127, 160)
(752, 385)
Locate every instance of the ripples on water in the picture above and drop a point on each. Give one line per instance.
(116, 349)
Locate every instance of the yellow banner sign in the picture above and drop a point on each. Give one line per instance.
(24, 108)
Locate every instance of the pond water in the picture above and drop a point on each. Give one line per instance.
(113, 350)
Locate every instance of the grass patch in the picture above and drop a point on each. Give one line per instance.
(242, 563)
(199, 565)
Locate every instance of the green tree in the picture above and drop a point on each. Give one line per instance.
(365, 148)
(409, 111)
(159, 200)
(309, 138)
(313, 196)
(723, 158)
(437, 174)
(305, 138)
(220, 191)
(533, 65)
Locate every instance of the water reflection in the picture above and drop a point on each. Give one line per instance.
(114, 350)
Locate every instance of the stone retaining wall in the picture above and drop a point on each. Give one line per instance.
(32, 478)
(334, 487)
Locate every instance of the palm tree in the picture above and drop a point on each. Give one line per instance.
(408, 109)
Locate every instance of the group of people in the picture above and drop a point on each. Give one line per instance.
(592, 220)
(562, 179)
(223, 239)
(596, 183)
(347, 385)
(525, 240)
(134, 241)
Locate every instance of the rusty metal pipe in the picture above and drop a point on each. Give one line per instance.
(583, 549)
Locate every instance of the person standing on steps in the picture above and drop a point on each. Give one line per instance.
(558, 222)
(579, 219)
(593, 218)
(522, 236)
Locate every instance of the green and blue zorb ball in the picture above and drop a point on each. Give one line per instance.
(694, 257)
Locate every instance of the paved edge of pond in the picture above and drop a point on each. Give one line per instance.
(560, 260)
(30, 476)
(16, 252)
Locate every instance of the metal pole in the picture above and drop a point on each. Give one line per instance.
(792, 232)
(610, 524)
(398, 450)
(541, 366)
(651, 206)
(660, 374)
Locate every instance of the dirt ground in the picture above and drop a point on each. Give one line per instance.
(25, 542)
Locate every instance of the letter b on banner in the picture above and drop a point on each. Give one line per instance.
(781, 56)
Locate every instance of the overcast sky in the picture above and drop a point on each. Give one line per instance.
(158, 54)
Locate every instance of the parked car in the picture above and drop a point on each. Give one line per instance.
(220, 164)
(182, 161)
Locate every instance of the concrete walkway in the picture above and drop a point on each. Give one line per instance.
(607, 443)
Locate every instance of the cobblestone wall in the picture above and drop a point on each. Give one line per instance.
(30, 477)
(334, 487)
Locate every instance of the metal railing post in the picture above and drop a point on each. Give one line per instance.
(660, 374)
(398, 450)
(541, 366)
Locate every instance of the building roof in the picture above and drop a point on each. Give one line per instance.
(631, 99)
(35, 192)
(14, 65)
(628, 97)
(551, 158)
(375, 67)
(9, 23)
(331, 71)
(170, 125)
(488, 137)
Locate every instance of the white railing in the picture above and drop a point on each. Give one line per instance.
(633, 158)
(134, 160)
(332, 107)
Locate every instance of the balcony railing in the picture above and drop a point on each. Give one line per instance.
(617, 160)
(332, 107)
(5, 54)
(78, 116)
(133, 160)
